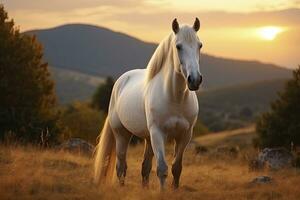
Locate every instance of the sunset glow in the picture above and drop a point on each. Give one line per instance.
(269, 32)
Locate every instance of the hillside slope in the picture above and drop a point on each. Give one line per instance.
(236, 106)
(240, 137)
(242, 95)
(72, 85)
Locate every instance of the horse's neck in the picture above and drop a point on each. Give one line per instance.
(174, 82)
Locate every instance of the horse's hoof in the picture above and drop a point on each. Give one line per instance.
(175, 186)
(162, 188)
(122, 181)
(145, 183)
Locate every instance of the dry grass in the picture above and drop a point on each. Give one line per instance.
(241, 137)
(29, 173)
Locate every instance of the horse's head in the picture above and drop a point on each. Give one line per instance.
(187, 47)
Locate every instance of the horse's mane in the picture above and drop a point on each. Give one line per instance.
(156, 62)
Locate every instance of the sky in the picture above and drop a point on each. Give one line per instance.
(267, 30)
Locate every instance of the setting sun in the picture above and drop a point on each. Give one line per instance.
(269, 32)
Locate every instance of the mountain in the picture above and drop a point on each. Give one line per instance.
(93, 50)
(102, 52)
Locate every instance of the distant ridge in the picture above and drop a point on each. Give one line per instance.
(93, 50)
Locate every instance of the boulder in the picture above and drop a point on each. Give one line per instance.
(262, 180)
(275, 158)
(78, 146)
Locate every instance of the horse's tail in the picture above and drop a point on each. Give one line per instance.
(105, 156)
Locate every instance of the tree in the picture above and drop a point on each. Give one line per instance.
(281, 125)
(101, 98)
(27, 95)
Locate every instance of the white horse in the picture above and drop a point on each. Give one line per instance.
(154, 103)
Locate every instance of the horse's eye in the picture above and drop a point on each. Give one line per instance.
(178, 47)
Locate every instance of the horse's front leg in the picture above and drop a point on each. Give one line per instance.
(181, 143)
(158, 146)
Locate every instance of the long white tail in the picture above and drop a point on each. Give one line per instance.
(105, 157)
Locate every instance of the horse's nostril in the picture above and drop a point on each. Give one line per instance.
(189, 79)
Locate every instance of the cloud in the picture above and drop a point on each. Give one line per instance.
(290, 17)
(66, 5)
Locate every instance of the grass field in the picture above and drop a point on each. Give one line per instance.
(241, 137)
(30, 173)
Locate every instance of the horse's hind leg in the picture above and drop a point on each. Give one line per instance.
(147, 163)
(180, 146)
(122, 136)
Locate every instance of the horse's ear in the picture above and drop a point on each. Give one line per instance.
(196, 25)
(175, 26)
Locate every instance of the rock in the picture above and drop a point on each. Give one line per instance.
(262, 180)
(79, 146)
(275, 158)
(199, 149)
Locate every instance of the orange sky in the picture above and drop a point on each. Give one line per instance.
(247, 29)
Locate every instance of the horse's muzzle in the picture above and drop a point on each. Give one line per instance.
(194, 82)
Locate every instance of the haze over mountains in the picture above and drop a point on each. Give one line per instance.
(95, 52)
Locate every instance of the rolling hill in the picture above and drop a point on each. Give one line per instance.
(237, 106)
(72, 85)
(102, 52)
(242, 95)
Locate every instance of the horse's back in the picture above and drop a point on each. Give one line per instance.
(128, 101)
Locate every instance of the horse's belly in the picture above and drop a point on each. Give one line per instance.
(131, 109)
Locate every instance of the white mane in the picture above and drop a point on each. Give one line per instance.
(157, 60)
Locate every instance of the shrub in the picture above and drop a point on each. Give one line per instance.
(82, 121)
(281, 125)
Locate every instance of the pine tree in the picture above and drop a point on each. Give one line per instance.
(101, 98)
(27, 97)
(281, 125)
